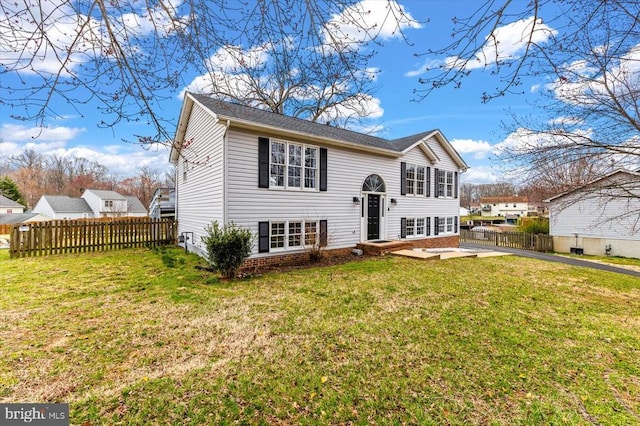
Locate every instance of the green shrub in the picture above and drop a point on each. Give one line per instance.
(227, 247)
(534, 226)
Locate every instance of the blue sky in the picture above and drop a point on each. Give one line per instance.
(473, 127)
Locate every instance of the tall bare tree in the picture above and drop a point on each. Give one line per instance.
(303, 58)
(586, 59)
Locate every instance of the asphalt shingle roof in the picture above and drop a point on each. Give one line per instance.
(106, 195)
(66, 204)
(134, 205)
(6, 219)
(7, 202)
(268, 118)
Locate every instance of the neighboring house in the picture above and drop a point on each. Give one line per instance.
(92, 204)
(63, 207)
(599, 218)
(8, 206)
(538, 209)
(163, 204)
(297, 184)
(105, 203)
(511, 208)
(135, 208)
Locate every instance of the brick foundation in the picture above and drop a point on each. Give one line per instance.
(302, 258)
(287, 259)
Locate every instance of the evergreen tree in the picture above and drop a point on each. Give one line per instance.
(9, 189)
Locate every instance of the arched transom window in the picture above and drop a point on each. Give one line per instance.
(373, 183)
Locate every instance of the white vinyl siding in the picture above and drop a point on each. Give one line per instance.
(222, 184)
(200, 198)
(593, 217)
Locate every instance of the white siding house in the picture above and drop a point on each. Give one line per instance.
(93, 203)
(63, 207)
(8, 206)
(105, 203)
(602, 217)
(504, 206)
(294, 183)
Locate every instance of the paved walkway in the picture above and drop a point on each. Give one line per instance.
(553, 258)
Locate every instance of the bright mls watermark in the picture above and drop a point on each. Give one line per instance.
(36, 414)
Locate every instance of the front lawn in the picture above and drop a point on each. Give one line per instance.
(142, 336)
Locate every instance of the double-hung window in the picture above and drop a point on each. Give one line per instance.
(415, 227)
(441, 182)
(415, 179)
(411, 227)
(449, 184)
(293, 166)
(291, 235)
(445, 182)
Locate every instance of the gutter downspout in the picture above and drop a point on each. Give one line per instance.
(225, 189)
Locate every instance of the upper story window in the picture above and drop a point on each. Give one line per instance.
(445, 181)
(293, 166)
(449, 184)
(415, 179)
(108, 204)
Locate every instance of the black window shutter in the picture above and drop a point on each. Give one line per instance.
(323, 233)
(403, 178)
(436, 182)
(403, 227)
(436, 225)
(428, 230)
(455, 224)
(263, 237)
(263, 162)
(323, 169)
(428, 182)
(455, 185)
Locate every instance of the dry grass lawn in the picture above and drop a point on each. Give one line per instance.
(142, 336)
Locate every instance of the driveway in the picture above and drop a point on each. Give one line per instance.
(553, 258)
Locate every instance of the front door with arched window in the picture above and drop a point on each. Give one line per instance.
(373, 225)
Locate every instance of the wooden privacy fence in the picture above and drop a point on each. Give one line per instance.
(5, 229)
(77, 236)
(518, 240)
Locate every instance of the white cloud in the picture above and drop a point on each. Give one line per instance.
(582, 83)
(124, 160)
(233, 59)
(429, 65)
(564, 122)
(56, 37)
(522, 140)
(360, 106)
(478, 149)
(361, 22)
(506, 43)
(20, 133)
(480, 174)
